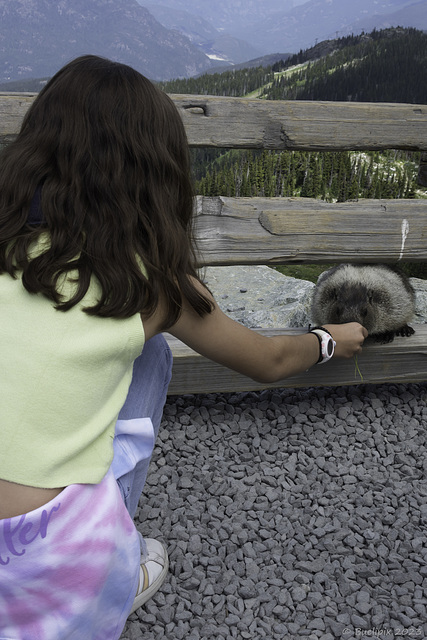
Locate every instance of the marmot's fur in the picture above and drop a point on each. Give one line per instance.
(380, 297)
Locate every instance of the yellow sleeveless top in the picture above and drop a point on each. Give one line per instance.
(64, 377)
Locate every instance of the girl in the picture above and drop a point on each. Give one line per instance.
(96, 260)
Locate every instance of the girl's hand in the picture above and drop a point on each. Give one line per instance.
(349, 338)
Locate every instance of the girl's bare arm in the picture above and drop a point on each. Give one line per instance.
(265, 359)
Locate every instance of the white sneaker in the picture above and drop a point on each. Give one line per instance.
(152, 572)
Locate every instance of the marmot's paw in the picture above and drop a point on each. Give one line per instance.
(405, 331)
(388, 336)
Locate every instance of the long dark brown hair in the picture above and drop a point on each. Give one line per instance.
(109, 152)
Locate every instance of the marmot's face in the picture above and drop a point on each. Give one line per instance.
(380, 298)
(350, 303)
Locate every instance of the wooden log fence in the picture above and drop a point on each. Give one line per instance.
(272, 231)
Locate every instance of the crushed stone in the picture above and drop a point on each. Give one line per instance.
(291, 513)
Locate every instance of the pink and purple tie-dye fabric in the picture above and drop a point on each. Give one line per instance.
(69, 570)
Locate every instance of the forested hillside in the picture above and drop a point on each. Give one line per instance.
(383, 66)
(331, 176)
(234, 83)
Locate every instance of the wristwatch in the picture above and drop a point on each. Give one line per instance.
(326, 344)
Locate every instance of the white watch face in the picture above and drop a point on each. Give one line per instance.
(329, 347)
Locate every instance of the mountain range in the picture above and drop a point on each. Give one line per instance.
(317, 20)
(38, 36)
(180, 38)
(272, 26)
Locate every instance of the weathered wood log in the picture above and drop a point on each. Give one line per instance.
(13, 107)
(275, 124)
(304, 230)
(403, 360)
(302, 125)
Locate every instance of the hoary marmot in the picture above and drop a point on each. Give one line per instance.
(378, 296)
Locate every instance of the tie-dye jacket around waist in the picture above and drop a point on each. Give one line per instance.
(69, 570)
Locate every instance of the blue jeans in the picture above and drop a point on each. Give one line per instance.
(139, 419)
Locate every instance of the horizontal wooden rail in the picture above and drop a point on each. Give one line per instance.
(276, 124)
(403, 360)
(232, 231)
(302, 125)
(13, 107)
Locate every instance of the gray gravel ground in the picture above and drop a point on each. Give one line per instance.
(290, 514)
